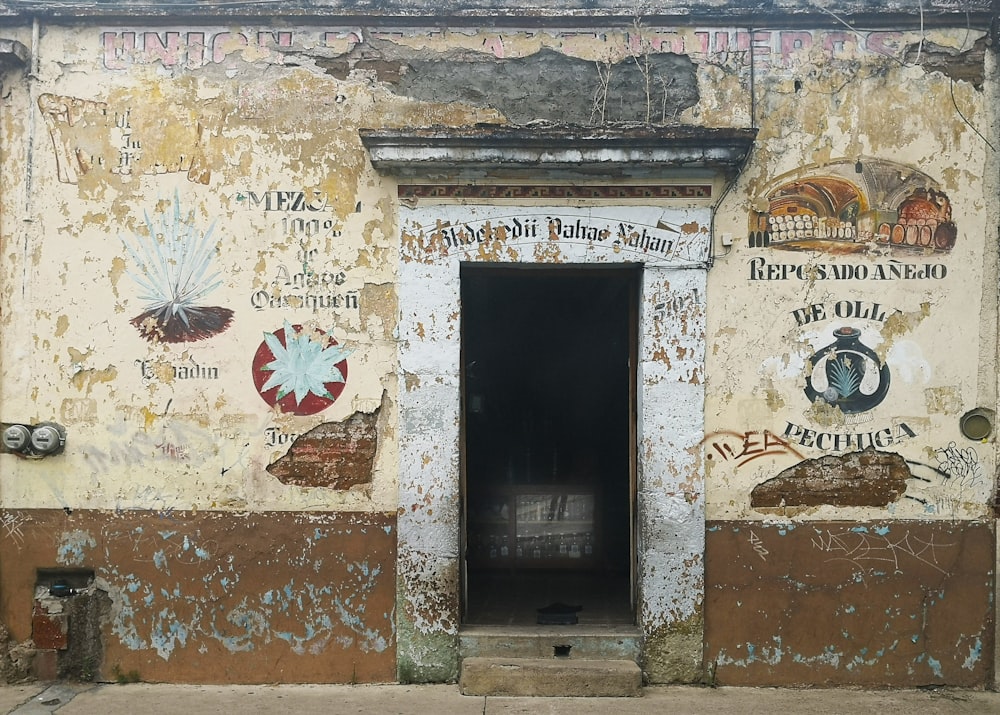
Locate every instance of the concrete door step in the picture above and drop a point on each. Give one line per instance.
(550, 677)
(581, 642)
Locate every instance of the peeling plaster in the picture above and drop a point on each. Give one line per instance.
(332, 455)
(671, 487)
(867, 478)
(255, 116)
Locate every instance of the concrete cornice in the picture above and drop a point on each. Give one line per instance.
(609, 151)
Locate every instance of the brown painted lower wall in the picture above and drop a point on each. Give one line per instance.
(894, 603)
(213, 597)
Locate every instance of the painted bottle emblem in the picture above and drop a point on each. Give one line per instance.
(847, 374)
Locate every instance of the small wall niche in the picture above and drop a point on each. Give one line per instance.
(63, 581)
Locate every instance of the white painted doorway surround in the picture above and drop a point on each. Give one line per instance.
(671, 240)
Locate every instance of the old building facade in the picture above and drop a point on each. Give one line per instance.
(337, 341)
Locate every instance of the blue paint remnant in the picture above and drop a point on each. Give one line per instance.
(935, 665)
(915, 637)
(317, 611)
(73, 546)
(167, 534)
(860, 529)
(829, 656)
(861, 660)
(882, 530)
(388, 529)
(850, 609)
(711, 528)
(975, 653)
(123, 623)
(253, 623)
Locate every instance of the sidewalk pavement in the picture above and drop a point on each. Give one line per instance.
(153, 699)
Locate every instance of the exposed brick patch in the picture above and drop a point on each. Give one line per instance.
(49, 631)
(336, 455)
(867, 478)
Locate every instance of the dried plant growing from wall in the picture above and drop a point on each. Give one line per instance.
(601, 93)
(642, 79)
(642, 63)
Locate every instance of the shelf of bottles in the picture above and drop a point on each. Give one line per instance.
(543, 529)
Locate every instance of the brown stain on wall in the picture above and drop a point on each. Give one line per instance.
(84, 380)
(214, 597)
(900, 323)
(894, 603)
(380, 301)
(943, 400)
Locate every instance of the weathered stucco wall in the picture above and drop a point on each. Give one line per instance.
(854, 327)
(211, 598)
(204, 281)
(823, 603)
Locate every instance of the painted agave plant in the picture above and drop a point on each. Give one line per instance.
(174, 269)
(300, 370)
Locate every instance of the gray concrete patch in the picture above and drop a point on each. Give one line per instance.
(684, 700)
(300, 699)
(558, 677)
(12, 696)
(44, 699)
(446, 700)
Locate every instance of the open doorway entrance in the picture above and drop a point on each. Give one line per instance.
(548, 360)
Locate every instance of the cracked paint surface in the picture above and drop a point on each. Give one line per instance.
(214, 598)
(779, 307)
(671, 492)
(256, 128)
(849, 603)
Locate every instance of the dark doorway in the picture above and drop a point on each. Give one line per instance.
(548, 358)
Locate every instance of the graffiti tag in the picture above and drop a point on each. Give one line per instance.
(745, 447)
(872, 551)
